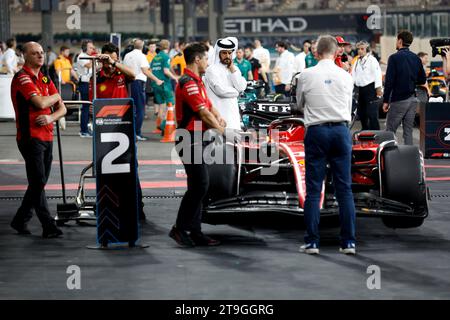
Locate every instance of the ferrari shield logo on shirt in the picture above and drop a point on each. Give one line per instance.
(44, 80)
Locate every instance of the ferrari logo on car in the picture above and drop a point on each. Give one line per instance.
(274, 108)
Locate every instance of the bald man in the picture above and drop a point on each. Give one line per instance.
(137, 61)
(37, 105)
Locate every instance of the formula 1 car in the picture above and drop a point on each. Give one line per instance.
(388, 180)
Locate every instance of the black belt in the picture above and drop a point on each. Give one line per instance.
(331, 124)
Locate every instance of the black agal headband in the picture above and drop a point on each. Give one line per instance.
(226, 46)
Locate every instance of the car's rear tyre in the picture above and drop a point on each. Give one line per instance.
(223, 177)
(403, 181)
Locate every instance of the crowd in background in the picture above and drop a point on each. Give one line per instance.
(254, 61)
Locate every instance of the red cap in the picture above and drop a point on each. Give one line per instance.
(340, 40)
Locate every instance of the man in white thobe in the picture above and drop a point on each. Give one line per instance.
(224, 82)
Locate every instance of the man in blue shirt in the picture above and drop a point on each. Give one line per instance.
(404, 73)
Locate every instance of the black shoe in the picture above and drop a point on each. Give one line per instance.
(51, 232)
(21, 228)
(181, 237)
(201, 239)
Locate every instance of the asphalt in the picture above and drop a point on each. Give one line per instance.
(258, 260)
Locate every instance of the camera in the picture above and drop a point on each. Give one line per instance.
(437, 44)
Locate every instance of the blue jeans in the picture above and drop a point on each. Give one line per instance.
(84, 121)
(329, 144)
(138, 95)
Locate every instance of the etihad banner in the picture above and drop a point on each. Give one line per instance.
(264, 25)
(287, 24)
(116, 175)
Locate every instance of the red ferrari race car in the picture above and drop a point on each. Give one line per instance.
(268, 174)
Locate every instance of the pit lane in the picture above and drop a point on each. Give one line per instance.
(256, 261)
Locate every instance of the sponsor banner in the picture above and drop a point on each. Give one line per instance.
(116, 175)
(286, 24)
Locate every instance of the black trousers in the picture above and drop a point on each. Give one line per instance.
(38, 156)
(368, 111)
(190, 212)
(281, 88)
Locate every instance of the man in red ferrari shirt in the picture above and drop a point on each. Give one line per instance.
(340, 53)
(37, 105)
(113, 77)
(194, 111)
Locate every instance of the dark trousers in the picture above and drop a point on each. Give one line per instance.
(329, 144)
(368, 111)
(38, 158)
(84, 121)
(138, 94)
(190, 212)
(402, 113)
(281, 88)
(266, 84)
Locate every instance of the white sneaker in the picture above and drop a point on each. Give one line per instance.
(309, 248)
(85, 135)
(350, 248)
(141, 138)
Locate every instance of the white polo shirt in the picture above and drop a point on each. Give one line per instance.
(10, 61)
(84, 73)
(263, 56)
(137, 60)
(367, 70)
(300, 63)
(285, 63)
(325, 91)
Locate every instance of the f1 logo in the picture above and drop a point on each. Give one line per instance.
(447, 132)
(116, 111)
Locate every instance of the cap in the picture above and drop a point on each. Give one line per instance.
(340, 40)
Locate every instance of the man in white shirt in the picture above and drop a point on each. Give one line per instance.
(2, 49)
(9, 60)
(325, 92)
(284, 69)
(300, 63)
(175, 50)
(84, 70)
(224, 82)
(137, 61)
(367, 77)
(207, 43)
(263, 56)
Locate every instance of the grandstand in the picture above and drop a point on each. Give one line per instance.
(426, 18)
(248, 6)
